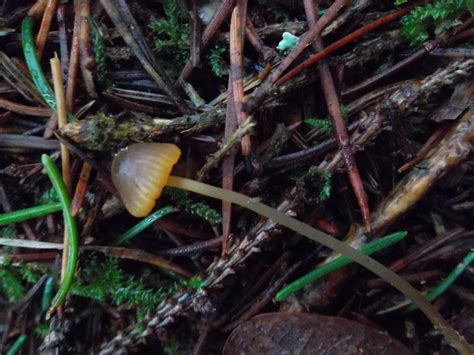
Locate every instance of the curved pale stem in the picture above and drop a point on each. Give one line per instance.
(340, 247)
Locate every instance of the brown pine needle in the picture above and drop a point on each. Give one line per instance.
(65, 156)
(237, 36)
(45, 26)
(228, 166)
(73, 61)
(81, 189)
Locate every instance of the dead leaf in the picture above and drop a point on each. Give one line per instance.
(282, 333)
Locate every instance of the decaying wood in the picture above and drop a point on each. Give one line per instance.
(101, 132)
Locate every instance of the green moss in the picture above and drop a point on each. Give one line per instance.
(106, 281)
(10, 284)
(437, 16)
(323, 124)
(215, 59)
(103, 132)
(49, 196)
(325, 176)
(200, 209)
(28, 273)
(172, 35)
(99, 54)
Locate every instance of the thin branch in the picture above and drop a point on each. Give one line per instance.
(334, 110)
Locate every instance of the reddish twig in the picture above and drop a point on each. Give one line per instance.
(334, 110)
(141, 256)
(87, 61)
(341, 43)
(237, 35)
(427, 248)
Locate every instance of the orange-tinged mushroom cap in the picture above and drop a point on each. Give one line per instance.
(140, 173)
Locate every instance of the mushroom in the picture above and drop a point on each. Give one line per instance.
(141, 171)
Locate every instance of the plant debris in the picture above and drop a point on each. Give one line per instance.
(353, 118)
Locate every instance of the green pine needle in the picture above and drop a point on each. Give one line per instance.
(323, 270)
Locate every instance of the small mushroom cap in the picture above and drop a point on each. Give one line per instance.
(140, 173)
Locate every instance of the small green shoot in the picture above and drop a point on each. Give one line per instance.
(341, 261)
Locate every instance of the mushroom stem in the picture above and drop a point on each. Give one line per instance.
(340, 247)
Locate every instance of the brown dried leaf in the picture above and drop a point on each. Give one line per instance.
(282, 333)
